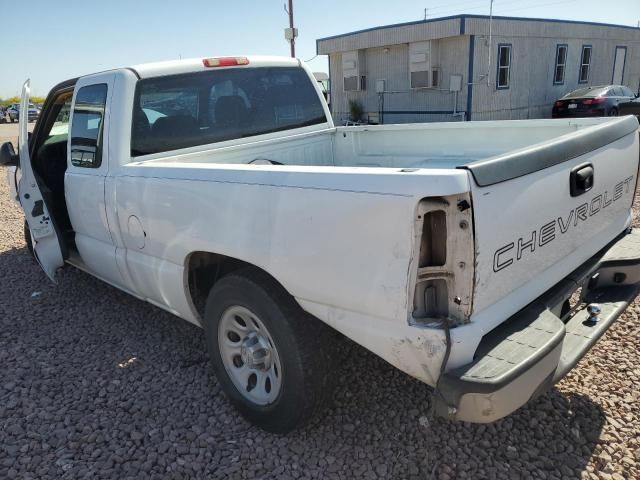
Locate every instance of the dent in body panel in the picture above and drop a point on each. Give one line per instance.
(420, 356)
(415, 351)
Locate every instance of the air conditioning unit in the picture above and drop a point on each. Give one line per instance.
(420, 79)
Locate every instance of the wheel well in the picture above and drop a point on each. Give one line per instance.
(204, 269)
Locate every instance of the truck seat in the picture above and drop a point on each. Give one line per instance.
(174, 131)
(231, 112)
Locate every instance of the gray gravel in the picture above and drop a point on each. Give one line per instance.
(97, 384)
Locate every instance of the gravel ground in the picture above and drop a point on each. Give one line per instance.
(9, 132)
(97, 384)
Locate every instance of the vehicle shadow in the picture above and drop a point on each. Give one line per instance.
(557, 433)
(140, 377)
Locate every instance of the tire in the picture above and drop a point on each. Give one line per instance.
(613, 112)
(296, 345)
(28, 240)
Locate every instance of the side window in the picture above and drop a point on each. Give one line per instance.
(561, 63)
(60, 128)
(585, 64)
(504, 66)
(86, 127)
(627, 92)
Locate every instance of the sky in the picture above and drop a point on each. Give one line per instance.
(61, 40)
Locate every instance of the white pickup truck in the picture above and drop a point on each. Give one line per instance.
(484, 259)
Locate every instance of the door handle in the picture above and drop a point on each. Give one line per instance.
(581, 179)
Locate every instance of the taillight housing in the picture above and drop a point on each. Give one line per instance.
(444, 261)
(558, 104)
(591, 101)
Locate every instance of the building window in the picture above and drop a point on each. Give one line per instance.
(561, 64)
(420, 57)
(585, 64)
(504, 66)
(435, 78)
(353, 72)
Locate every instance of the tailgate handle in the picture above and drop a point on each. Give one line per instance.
(581, 179)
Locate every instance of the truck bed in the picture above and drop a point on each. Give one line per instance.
(482, 147)
(314, 185)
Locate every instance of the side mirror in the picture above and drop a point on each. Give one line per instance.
(8, 156)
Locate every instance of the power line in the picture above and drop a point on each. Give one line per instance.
(445, 9)
(448, 13)
(538, 5)
(501, 7)
(450, 6)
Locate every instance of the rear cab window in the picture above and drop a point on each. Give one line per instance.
(187, 110)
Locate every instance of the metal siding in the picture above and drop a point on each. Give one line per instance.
(390, 36)
(531, 93)
(550, 28)
(393, 67)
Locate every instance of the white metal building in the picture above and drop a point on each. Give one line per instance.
(450, 69)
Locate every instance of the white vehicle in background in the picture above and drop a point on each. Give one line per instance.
(325, 87)
(220, 190)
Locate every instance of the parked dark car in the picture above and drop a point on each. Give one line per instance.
(598, 101)
(14, 112)
(631, 107)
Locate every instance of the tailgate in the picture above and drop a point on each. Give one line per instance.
(532, 227)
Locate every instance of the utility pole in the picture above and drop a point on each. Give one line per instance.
(291, 33)
(490, 46)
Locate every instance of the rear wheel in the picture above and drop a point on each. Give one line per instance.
(270, 357)
(613, 112)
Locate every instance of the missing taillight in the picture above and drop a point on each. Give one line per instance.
(431, 299)
(433, 244)
(442, 283)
